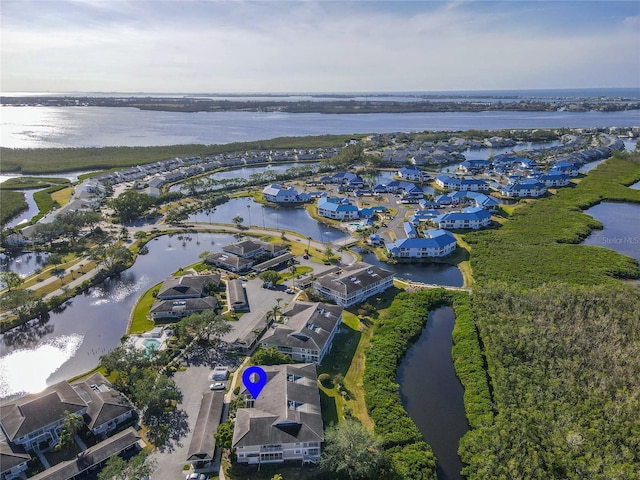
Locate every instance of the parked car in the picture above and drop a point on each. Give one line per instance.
(195, 476)
(217, 386)
(220, 372)
(288, 290)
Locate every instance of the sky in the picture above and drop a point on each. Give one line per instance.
(316, 46)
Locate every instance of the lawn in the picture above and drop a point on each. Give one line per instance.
(347, 359)
(139, 319)
(62, 196)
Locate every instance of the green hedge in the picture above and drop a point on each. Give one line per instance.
(469, 364)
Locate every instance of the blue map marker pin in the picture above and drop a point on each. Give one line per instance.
(254, 387)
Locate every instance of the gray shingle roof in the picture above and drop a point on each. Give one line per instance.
(187, 305)
(312, 322)
(105, 403)
(202, 445)
(349, 279)
(286, 411)
(11, 456)
(92, 456)
(192, 285)
(33, 412)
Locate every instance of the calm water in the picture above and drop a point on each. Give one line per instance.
(621, 230)
(245, 173)
(298, 220)
(70, 342)
(283, 218)
(31, 211)
(33, 127)
(432, 394)
(24, 264)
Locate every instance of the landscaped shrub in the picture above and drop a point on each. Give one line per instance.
(325, 380)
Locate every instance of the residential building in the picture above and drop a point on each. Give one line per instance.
(474, 166)
(413, 174)
(456, 183)
(352, 284)
(236, 296)
(305, 331)
(435, 243)
(182, 296)
(107, 407)
(554, 178)
(285, 421)
(35, 421)
(471, 217)
(409, 230)
(337, 208)
(524, 189)
(277, 194)
(186, 286)
(177, 309)
(13, 461)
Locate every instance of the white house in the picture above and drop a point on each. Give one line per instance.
(284, 422)
(352, 284)
(461, 184)
(472, 217)
(277, 194)
(554, 178)
(305, 331)
(435, 243)
(337, 208)
(524, 189)
(413, 174)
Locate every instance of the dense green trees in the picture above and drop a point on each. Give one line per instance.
(113, 257)
(269, 356)
(469, 364)
(151, 390)
(350, 451)
(410, 456)
(135, 468)
(561, 340)
(206, 324)
(564, 361)
(130, 205)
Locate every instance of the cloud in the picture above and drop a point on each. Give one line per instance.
(315, 46)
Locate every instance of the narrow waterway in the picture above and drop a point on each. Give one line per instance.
(432, 394)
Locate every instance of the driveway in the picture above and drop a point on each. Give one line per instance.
(193, 383)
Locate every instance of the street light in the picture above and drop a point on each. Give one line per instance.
(249, 210)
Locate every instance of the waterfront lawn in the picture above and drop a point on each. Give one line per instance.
(63, 196)
(140, 321)
(346, 359)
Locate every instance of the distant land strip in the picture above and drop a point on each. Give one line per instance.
(373, 105)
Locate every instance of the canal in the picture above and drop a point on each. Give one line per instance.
(432, 394)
